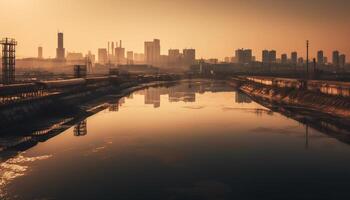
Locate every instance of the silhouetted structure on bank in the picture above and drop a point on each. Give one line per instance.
(8, 60)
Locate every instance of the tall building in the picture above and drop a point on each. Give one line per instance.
(60, 51)
(284, 59)
(272, 56)
(40, 52)
(294, 58)
(102, 56)
(174, 56)
(130, 57)
(189, 56)
(152, 52)
(119, 55)
(342, 60)
(244, 56)
(335, 58)
(320, 58)
(265, 56)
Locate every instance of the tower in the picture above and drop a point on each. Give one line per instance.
(8, 60)
(60, 51)
(40, 52)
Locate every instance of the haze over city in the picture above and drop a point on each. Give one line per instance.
(214, 28)
(180, 100)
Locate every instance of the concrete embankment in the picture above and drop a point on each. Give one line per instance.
(301, 98)
(74, 103)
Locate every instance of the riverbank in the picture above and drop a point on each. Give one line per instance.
(60, 112)
(310, 104)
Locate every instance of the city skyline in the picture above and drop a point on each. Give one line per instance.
(238, 25)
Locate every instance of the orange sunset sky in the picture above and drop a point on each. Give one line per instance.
(215, 28)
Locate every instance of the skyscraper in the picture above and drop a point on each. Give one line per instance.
(284, 59)
(102, 56)
(60, 51)
(335, 58)
(294, 58)
(130, 57)
(265, 56)
(244, 56)
(40, 52)
(152, 52)
(189, 56)
(119, 54)
(320, 57)
(174, 56)
(272, 56)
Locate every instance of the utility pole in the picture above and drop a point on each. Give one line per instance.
(307, 59)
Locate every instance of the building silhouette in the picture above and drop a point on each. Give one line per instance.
(40, 52)
(265, 56)
(294, 58)
(152, 52)
(174, 57)
(189, 56)
(335, 58)
(320, 57)
(244, 56)
(130, 57)
(284, 59)
(342, 60)
(272, 56)
(102, 56)
(60, 51)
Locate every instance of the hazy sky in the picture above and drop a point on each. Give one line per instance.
(215, 28)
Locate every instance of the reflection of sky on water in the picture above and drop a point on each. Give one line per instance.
(14, 168)
(189, 141)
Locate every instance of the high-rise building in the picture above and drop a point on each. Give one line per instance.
(119, 55)
(244, 56)
(272, 56)
(102, 56)
(320, 58)
(40, 52)
(152, 52)
(189, 56)
(265, 56)
(60, 51)
(284, 59)
(174, 56)
(342, 60)
(130, 57)
(335, 58)
(294, 58)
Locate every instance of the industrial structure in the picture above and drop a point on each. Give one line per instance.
(8, 60)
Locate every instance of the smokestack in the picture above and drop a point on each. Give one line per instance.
(120, 43)
(112, 48)
(108, 49)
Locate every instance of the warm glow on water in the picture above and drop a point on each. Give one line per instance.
(186, 142)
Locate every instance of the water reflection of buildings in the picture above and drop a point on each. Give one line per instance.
(80, 129)
(185, 92)
(114, 107)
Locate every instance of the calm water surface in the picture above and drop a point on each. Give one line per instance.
(190, 141)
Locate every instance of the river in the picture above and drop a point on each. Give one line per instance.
(194, 140)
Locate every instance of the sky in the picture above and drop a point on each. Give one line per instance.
(215, 28)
